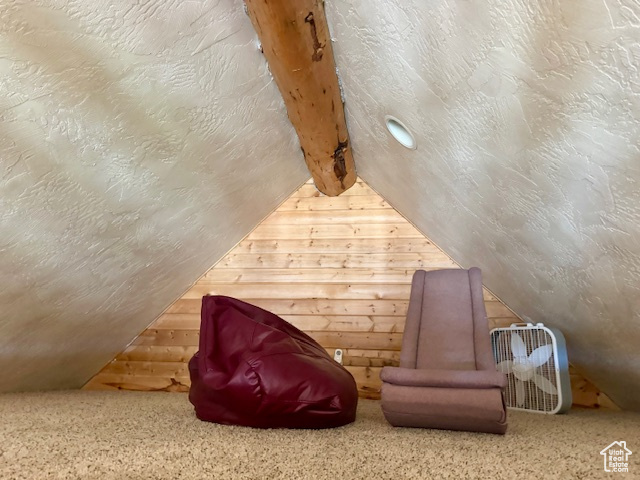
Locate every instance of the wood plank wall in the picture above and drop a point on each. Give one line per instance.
(338, 268)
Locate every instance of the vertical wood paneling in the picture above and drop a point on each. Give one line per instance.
(338, 268)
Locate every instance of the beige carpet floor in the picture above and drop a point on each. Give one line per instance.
(126, 435)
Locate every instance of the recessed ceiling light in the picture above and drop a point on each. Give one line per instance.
(401, 133)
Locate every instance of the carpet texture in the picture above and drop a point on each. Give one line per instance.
(129, 435)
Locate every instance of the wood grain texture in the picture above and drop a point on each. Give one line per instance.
(337, 245)
(347, 291)
(296, 42)
(341, 230)
(310, 217)
(311, 260)
(343, 202)
(315, 275)
(309, 190)
(586, 394)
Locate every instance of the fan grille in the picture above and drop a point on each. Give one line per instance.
(534, 398)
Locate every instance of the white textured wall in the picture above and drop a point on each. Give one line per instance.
(527, 116)
(139, 141)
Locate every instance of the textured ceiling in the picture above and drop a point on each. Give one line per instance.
(139, 141)
(526, 116)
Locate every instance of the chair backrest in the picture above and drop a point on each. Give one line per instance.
(446, 325)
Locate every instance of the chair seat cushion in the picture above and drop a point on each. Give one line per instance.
(443, 378)
(477, 410)
(255, 369)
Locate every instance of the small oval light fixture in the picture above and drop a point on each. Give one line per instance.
(401, 133)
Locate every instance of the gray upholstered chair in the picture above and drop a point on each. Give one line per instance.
(447, 376)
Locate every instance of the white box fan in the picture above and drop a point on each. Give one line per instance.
(534, 358)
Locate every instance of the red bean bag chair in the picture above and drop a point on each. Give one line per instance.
(255, 369)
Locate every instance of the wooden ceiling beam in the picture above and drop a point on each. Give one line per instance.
(296, 43)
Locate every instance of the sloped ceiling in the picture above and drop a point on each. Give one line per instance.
(139, 141)
(528, 165)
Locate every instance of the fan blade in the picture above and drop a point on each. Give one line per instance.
(523, 372)
(505, 367)
(541, 355)
(544, 384)
(519, 393)
(518, 348)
